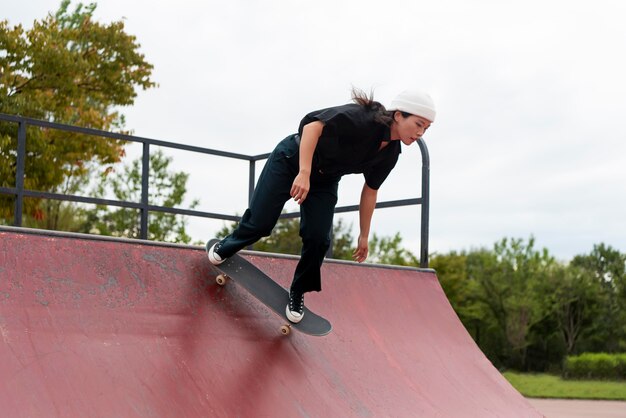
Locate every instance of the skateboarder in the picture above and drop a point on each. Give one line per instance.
(360, 137)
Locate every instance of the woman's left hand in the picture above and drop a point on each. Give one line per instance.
(362, 250)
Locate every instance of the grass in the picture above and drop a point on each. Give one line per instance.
(550, 386)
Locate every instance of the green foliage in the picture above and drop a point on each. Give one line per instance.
(463, 294)
(576, 299)
(166, 188)
(595, 366)
(507, 287)
(389, 250)
(342, 241)
(527, 311)
(607, 268)
(67, 68)
(59, 215)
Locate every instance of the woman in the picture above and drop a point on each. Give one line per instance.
(361, 137)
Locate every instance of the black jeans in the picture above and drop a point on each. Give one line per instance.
(316, 213)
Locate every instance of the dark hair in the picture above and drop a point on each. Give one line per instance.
(361, 98)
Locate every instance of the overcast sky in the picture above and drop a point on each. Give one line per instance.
(529, 136)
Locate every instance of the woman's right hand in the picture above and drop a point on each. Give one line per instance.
(300, 187)
(302, 184)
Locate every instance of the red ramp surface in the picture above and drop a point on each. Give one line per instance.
(102, 328)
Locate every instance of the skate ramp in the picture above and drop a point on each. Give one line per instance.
(104, 328)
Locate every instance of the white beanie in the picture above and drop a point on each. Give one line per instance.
(415, 102)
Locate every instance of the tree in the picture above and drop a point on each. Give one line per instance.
(462, 293)
(576, 298)
(508, 286)
(167, 189)
(58, 215)
(67, 68)
(607, 267)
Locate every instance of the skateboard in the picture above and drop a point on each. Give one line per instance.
(268, 292)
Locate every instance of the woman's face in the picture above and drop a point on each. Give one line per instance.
(409, 129)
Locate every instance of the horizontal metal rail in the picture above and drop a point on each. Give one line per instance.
(355, 208)
(125, 137)
(120, 204)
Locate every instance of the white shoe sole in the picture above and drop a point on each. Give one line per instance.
(293, 318)
(215, 259)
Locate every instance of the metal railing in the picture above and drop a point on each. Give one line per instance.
(144, 206)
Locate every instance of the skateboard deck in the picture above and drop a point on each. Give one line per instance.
(268, 292)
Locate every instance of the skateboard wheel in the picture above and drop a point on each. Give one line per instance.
(221, 279)
(285, 329)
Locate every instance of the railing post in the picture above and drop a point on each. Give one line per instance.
(251, 180)
(425, 203)
(145, 177)
(19, 173)
(251, 184)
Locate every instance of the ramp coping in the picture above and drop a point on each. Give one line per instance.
(91, 237)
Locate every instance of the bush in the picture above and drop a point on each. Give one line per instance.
(595, 366)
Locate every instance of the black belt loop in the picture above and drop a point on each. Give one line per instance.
(297, 138)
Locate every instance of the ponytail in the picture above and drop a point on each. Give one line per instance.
(366, 101)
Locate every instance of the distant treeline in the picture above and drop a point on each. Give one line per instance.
(527, 311)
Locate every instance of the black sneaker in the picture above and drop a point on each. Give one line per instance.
(213, 253)
(295, 309)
